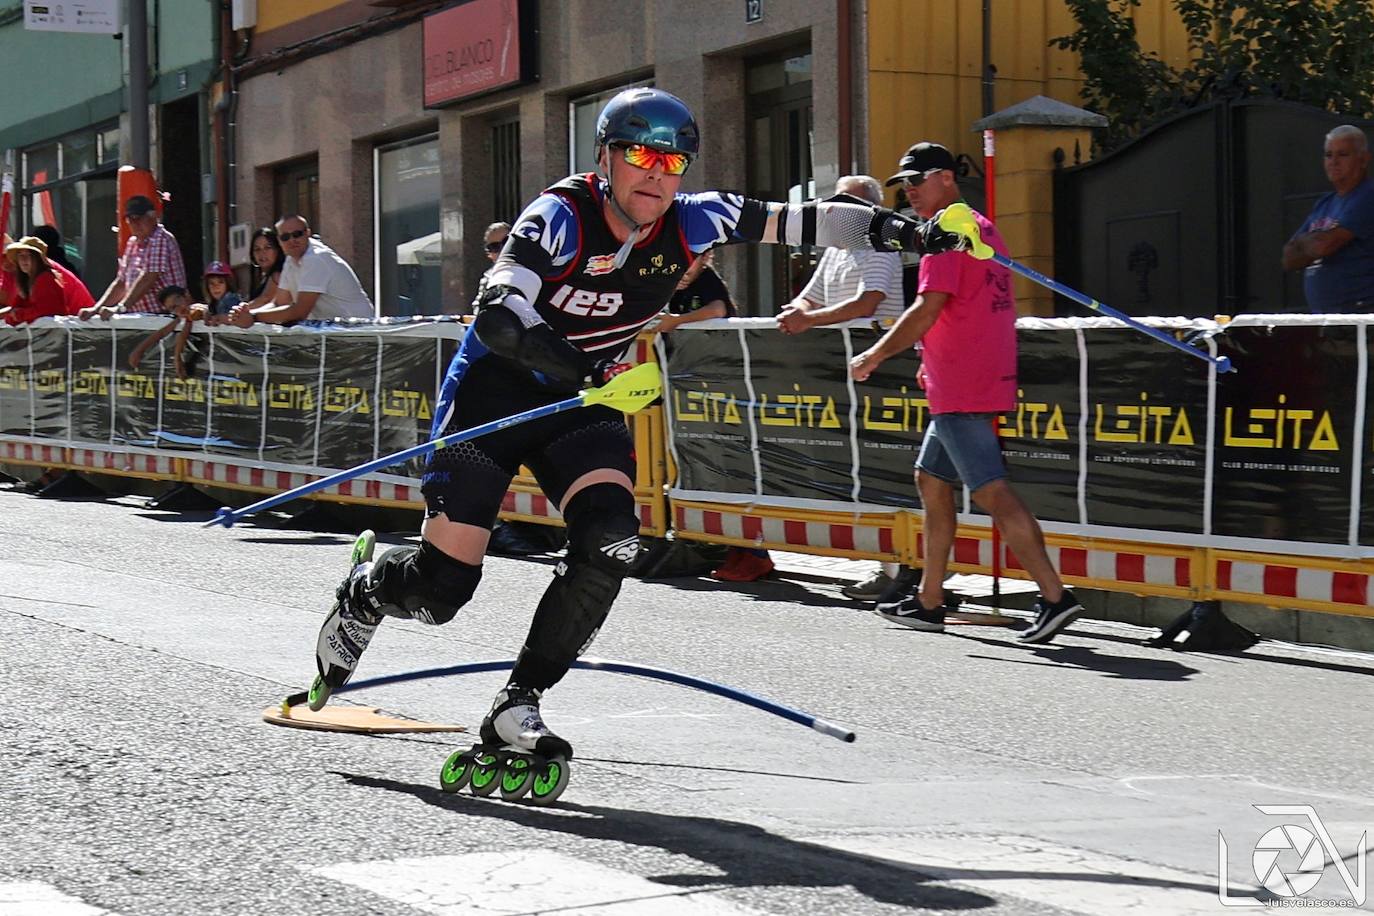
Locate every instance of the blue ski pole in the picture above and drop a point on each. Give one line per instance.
(630, 391)
(616, 667)
(959, 218)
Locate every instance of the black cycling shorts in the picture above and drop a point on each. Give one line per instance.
(468, 481)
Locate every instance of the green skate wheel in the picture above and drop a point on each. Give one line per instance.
(549, 781)
(517, 775)
(457, 771)
(364, 547)
(319, 694)
(486, 774)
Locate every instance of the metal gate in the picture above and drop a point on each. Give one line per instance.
(1190, 218)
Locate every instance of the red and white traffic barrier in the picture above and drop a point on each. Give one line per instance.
(269, 480)
(1279, 581)
(28, 453)
(745, 526)
(537, 505)
(534, 505)
(1169, 570)
(121, 462)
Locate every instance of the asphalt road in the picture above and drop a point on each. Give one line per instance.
(1089, 776)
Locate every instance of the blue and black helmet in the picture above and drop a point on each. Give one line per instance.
(651, 117)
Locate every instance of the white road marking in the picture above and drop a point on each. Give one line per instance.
(522, 881)
(655, 712)
(1077, 880)
(1303, 793)
(33, 898)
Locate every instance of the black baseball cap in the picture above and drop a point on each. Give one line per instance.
(922, 159)
(138, 205)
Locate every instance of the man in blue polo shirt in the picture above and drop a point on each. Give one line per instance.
(1335, 246)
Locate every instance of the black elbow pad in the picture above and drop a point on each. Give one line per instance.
(499, 329)
(539, 348)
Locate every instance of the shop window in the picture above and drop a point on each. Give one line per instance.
(69, 184)
(582, 114)
(409, 246)
(296, 189)
(109, 145)
(43, 164)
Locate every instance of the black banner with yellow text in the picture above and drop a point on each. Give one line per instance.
(1113, 435)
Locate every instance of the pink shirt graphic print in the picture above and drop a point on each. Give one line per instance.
(970, 351)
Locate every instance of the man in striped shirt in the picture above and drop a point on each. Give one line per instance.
(151, 261)
(849, 283)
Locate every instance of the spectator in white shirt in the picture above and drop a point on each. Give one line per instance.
(848, 284)
(315, 283)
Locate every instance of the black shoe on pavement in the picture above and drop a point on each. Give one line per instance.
(1051, 618)
(901, 586)
(911, 613)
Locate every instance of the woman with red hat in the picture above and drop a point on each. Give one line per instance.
(41, 287)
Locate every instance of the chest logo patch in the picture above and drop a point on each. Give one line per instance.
(600, 265)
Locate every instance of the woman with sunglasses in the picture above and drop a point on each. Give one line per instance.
(590, 262)
(493, 240)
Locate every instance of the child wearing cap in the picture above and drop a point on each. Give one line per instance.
(220, 297)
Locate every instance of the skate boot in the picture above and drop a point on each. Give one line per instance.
(348, 628)
(518, 754)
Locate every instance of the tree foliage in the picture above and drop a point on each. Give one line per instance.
(1317, 52)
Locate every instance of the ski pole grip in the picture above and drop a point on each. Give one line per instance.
(958, 218)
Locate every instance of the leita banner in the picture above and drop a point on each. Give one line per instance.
(90, 375)
(16, 386)
(1286, 446)
(1113, 436)
(1146, 431)
(1042, 439)
(713, 437)
(301, 398)
(48, 375)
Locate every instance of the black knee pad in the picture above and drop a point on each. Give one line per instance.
(426, 585)
(603, 541)
(603, 528)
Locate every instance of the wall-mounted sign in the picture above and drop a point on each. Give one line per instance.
(753, 10)
(100, 17)
(479, 47)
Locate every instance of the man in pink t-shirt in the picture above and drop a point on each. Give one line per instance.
(966, 316)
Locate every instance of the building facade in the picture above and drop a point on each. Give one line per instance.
(381, 122)
(64, 130)
(405, 191)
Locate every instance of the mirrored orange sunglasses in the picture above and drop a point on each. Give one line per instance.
(646, 157)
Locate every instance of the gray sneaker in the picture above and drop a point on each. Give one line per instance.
(869, 589)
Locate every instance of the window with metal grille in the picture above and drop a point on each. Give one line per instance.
(505, 170)
(296, 190)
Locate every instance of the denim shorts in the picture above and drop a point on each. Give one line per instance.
(962, 447)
